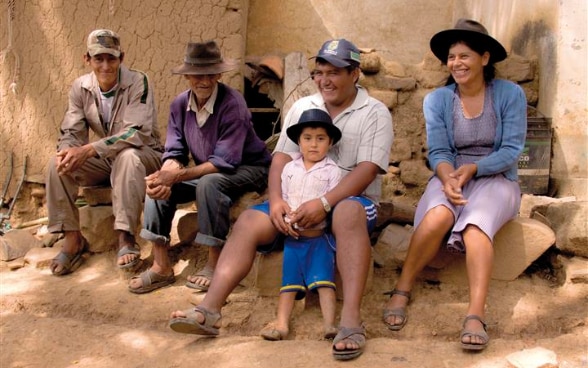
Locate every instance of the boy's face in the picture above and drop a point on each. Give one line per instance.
(314, 144)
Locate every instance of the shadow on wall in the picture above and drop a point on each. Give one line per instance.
(537, 36)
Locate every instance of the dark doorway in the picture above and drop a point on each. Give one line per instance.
(263, 112)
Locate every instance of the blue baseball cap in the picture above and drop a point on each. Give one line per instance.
(341, 53)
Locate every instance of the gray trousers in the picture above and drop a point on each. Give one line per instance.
(125, 174)
(214, 195)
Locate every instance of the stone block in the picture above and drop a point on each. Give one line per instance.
(535, 357)
(184, 226)
(401, 150)
(517, 244)
(569, 220)
(97, 226)
(266, 274)
(576, 270)
(388, 98)
(16, 243)
(516, 68)
(98, 195)
(392, 245)
(414, 172)
(41, 257)
(370, 62)
(397, 83)
(529, 202)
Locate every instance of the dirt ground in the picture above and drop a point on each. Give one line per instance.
(89, 319)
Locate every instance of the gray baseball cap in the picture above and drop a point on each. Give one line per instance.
(104, 41)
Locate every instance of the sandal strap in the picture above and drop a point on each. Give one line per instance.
(405, 294)
(474, 317)
(129, 250)
(210, 318)
(355, 334)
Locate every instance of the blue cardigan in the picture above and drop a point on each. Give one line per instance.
(510, 105)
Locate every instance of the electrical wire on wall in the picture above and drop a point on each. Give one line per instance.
(9, 48)
(111, 8)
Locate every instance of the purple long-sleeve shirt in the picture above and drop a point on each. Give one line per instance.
(227, 139)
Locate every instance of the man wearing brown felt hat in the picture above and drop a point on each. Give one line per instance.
(209, 123)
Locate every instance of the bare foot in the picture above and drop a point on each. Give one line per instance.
(330, 332)
(274, 331)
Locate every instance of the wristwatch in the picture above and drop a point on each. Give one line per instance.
(326, 204)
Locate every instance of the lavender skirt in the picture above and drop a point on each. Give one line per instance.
(492, 201)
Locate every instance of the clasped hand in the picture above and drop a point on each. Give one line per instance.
(305, 216)
(158, 184)
(70, 159)
(456, 181)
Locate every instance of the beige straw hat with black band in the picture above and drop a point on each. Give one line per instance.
(470, 31)
(204, 58)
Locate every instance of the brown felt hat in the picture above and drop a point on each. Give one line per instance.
(204, 58)
(466, 30)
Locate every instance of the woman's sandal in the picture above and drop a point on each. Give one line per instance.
(190, 325)
(396, 312)
(481, 335)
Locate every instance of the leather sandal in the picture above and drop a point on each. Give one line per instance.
(190, 325)
(396, 312)
(483, 336)
(356, 335)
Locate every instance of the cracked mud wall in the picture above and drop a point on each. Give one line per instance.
(48, 39)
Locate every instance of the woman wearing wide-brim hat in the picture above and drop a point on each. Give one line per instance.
(210, 125)
(476, 127)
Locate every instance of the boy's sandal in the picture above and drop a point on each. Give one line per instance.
(396, 312)
(190, 325)
(483, 336)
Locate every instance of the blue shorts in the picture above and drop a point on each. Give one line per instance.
(309, 263)
(370, 208)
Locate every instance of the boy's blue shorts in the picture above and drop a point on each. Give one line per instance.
(370, 208)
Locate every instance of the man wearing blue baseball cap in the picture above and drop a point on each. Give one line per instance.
(362, 155)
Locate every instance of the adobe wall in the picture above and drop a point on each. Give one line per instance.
(550, 34)
(47, 39)
(555, 33)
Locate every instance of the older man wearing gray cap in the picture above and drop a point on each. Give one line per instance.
(117, 105)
